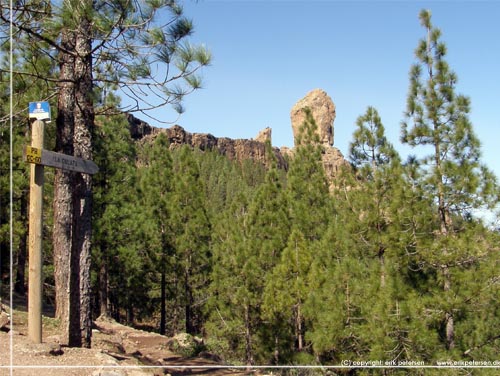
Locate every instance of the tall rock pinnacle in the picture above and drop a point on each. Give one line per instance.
(323, 111)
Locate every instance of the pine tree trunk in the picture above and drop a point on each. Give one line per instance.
(130, 310)
(248, 337)
(381, 259)
(298, 326)
(450, 325)
(445, 225)
(189, 302)
(103, 289)
(80, 285)
(163, 298)
(177, 303)
(62, 246)
(63, 185)
(74, 334)
(276, 353)
(115, 310)
(81, 256)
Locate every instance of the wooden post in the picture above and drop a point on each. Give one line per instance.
(35, 239)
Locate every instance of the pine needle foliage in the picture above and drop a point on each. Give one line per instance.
(454, 178)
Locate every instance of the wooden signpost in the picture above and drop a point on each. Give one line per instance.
(35, 241)
(58, 160)
(38, 157)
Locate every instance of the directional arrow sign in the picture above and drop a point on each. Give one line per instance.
(59, 160)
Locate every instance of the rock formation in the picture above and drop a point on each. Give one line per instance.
(264, 135)
(323, 111)
(138, 128)
(333, 161)
(234, 149)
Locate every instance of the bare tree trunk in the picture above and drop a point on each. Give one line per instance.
(298, 326)
(103, 289)
(163, 298)
(450, 325)
(248, 337)
(381, 260)
(188, 303)
(276, 350)
(163, 287)
(130, 310)
(63, 186)
(74, 335)
(72, 192)
(177, 299)
(82, 209)
(188, 292)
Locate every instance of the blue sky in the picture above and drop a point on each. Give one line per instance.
(269, 54)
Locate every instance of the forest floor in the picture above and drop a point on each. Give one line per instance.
(117, 350)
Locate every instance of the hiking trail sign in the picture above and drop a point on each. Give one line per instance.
(38, 158)
(59, 160)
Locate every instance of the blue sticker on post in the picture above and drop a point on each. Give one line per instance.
(39, 110)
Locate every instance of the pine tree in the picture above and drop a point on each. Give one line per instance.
(378, 170)
(413, 233)
(216, 171)
(156, 189)
(480, 330)
(191, 228)
(339, 291)
(288, 285)
(268, 229)
(455, 179)
(115, 194)
(309, 207)
(370, 147)
(254, 235)
(226, 325)
(307, 187)
(375, 232)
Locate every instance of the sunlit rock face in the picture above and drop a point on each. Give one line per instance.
(323, 111)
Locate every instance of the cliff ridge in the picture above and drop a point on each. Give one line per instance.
(319, 103)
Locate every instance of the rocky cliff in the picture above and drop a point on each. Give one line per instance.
(320, 105)
(234, 149)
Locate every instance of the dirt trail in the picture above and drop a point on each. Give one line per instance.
(117, 350)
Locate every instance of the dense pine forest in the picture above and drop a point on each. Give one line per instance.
(281, 266)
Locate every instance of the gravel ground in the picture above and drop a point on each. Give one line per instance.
(117, 350)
